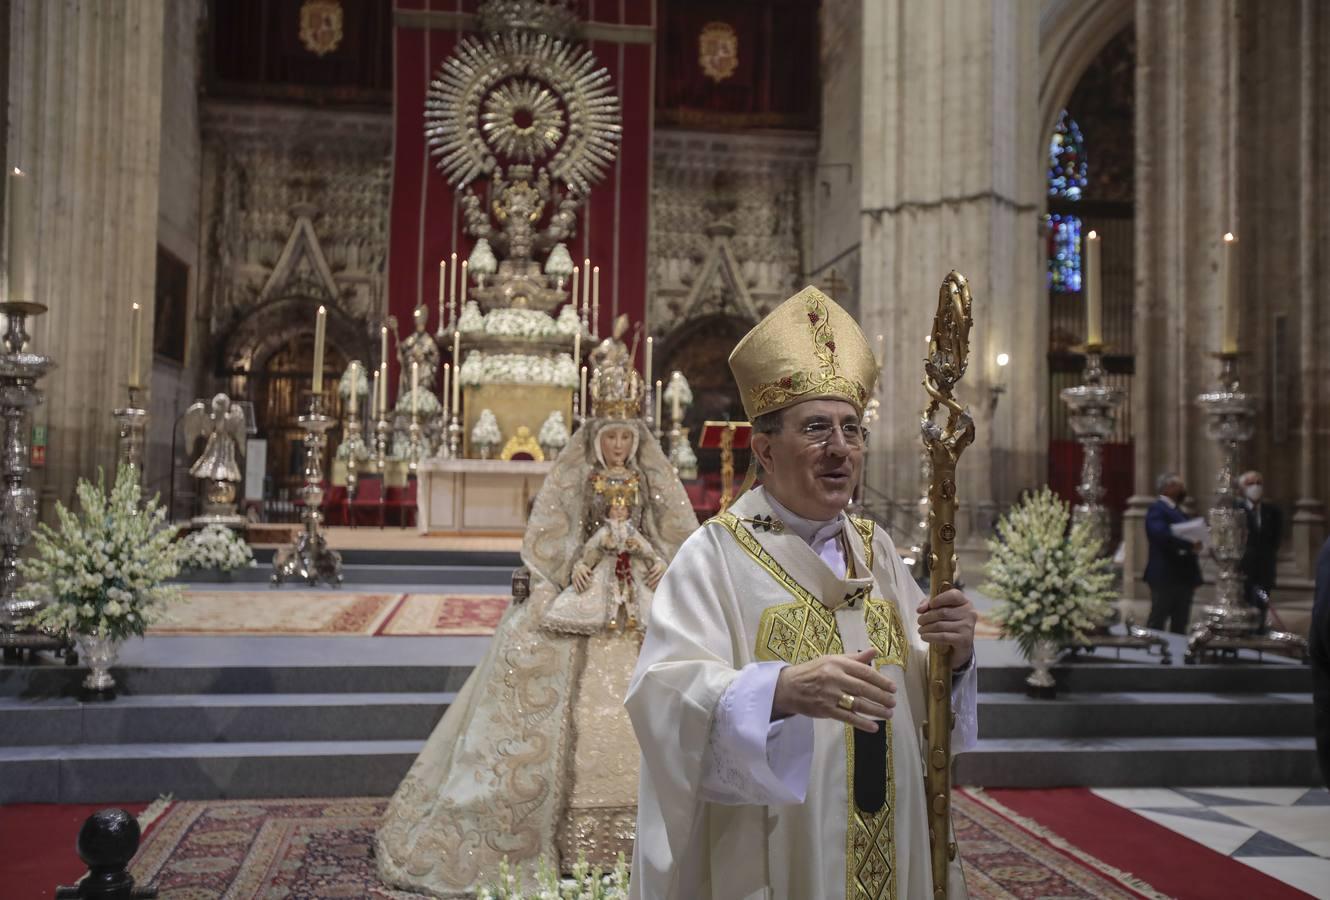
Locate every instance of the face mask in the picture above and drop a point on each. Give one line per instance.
(1255, 492)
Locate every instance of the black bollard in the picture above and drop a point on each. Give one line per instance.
(107, 842)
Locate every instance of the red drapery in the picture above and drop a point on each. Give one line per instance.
(426, 224)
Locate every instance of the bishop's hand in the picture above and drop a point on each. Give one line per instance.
(949, 619)
(846, 688)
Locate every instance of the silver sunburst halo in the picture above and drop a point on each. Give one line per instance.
(477, 82)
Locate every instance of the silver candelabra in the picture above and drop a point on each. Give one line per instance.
(1093, 405)
(308, 558)
(1230, 623)
(20, 370)
(131, 429)
(356, 451)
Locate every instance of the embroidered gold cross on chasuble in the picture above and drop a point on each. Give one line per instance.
(806, 629)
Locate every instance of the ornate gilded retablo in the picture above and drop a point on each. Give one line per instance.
(321, 26)
(808, 348)
(718, 50)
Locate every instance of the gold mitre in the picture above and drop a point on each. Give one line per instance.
(808, 348)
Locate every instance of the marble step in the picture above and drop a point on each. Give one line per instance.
(121, 773)
(415, 573)
(38, 682)
(1082, 676)
(222, 718)
(1151, 713)
(1140, 762)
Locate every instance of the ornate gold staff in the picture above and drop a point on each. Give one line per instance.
(948, 353)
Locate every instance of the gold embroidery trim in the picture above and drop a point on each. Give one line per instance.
(826, 380)
(803, 630)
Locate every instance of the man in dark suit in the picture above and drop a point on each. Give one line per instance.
(1172, 570)
(1320, 653)
(1265, 528)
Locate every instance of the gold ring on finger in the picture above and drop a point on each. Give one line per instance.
(846, 702)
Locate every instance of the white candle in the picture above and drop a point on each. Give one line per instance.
(659, 393)
(320, 329)
(586, 291)
(457, 362)
(452, 288)
(586, 413)
(577, 348)
(646, 373)
(577, 301)
(881, 351)
(595, 302)
(447, 377)
(374, 396)
(383, 389)
(1230, 294)
(443, 284)
(415, 387)
(20, 235)
(464, 264)
(383, 344)
(1094, 298)
(355, 378)
(135, 367)
(675, 411)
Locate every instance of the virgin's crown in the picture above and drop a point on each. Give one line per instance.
(617, 391)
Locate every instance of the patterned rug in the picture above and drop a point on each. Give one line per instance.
(276, 613)
(305, 849)
(446, 614)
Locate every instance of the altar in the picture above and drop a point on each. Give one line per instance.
(476, 496)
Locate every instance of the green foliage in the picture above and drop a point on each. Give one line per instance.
(103, 570)
(1052, 582)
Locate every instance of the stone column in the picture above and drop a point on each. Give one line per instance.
(85, 93)
(952, 171)
(1186, 109)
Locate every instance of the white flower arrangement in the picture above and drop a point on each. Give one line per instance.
(554, 433)
(429, 404)
(471, 319)
(586, 883)
(684, 460)
(1051, 584)
(519, 368)
(356, 371)
(560, 262)
(531, 324)
(215, 547)
(104, 571)
(486, 430)
(678, 387)
(569, 322)
(482, 261)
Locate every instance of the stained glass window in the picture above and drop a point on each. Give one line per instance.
(1064, 253)
(1066, 160)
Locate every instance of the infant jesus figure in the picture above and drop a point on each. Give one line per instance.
(620, 564)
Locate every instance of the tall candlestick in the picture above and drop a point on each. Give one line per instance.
(443, 284)
(452, 288)
(446, 396)
(383, 390)
(135, 366)
(464, 281)
(415, 387)
(457, 364)
(1230, 299)
(20, 235)
(355, 378)
(646, 369)
(586, 291)
(586, 413)
(595, 302)
(1094, 298)
(320, 329)
(659, 392)
(374, 396)
(577, 301)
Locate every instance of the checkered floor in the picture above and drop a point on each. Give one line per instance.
(1283, 832)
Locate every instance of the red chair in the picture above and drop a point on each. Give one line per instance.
(369, 499)
(402, 500)
(334, 505)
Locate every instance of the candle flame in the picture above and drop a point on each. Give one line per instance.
(1228, 236)
(18, 171)
(1093, 235)
(136, 307)
(596, 270)
(322, 311)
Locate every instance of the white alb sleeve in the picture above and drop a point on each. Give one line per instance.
(751, 759)
(964, 705)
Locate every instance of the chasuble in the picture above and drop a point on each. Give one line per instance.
(743, 592)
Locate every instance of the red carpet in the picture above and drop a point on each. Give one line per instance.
(37, 841)
(1169, 862)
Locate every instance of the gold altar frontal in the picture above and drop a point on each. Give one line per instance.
(513, 405)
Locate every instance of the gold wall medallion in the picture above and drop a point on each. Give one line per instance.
(321, 26)
(718, 50)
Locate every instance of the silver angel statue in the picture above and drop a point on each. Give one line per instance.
(218, 466)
